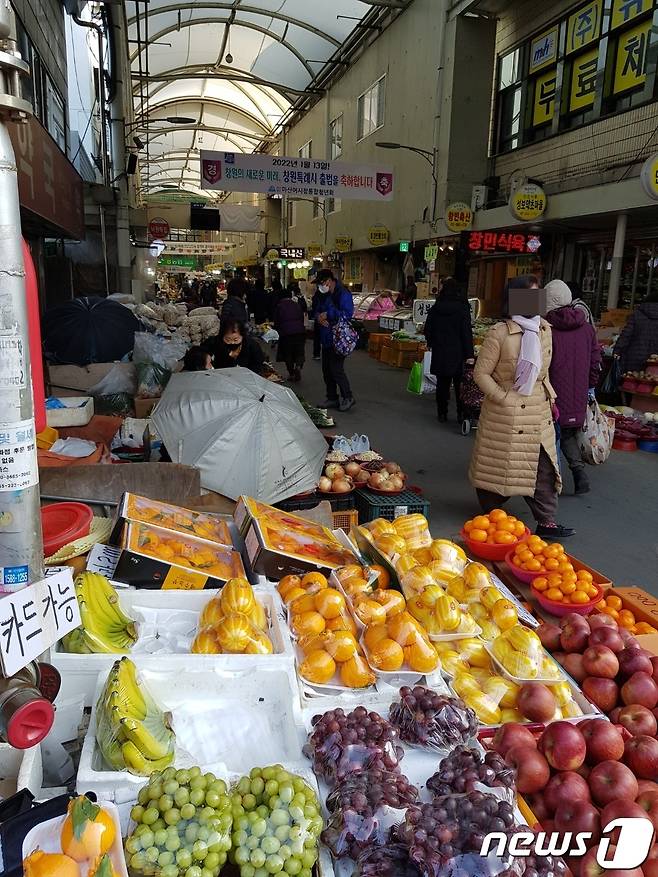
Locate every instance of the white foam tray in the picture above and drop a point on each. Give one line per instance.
(80, 672)
(78, 412)
(20, 769)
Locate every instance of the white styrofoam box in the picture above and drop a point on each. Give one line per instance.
(46, 836)
(227, 721)
(78, 412)
(20, 769)
(80, 672)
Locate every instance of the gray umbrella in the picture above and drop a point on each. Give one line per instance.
(246, 435)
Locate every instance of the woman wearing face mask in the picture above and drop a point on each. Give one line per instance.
(515, 452)
(233, 347)
(336, 306)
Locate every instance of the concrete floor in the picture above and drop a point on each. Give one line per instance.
(616, 524)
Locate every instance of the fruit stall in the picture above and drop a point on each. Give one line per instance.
(261, 694)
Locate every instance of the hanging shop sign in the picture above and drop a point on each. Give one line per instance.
(378, 235)
(274, 254)
(295, 176)
(313, 251)
(194, 248)
(501, 242)
(543, 50)
(158, 229)
(624, 11)
(343, 243)
(528, 203)
(584, 26)
(649, 177)
(431, 252)
(188, 262)
(631, 65)
(459, 217)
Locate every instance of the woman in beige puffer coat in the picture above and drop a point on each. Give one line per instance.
(515, 452)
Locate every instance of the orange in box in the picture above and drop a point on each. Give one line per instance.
(171, 517)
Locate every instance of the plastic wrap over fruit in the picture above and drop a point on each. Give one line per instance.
(363, 808)
(467, 770)
(391, 860)
(415, 530)
(344, 743)
(432, 721)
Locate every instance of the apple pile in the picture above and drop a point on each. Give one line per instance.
(579, 778)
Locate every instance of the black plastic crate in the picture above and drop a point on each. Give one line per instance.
(340, 502)
(372, 505)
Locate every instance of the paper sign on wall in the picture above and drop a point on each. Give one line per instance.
(18, 456)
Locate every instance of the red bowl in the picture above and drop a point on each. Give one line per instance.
(63, 522)
(521, 574)
(491, 552)
(562, 609)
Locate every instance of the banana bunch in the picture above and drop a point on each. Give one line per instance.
(131, 730)
(105, 627)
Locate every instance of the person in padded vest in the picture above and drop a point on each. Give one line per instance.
(515, 452)
(574, 372)
(289, 323)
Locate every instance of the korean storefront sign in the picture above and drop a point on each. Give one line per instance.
(343, 243)
(543, 50)
(649, 177)
(431, 252)
(295, 176)
(501, 242)
(528, 203)
(631, 65)
(378, 235)
(584, 26)
(624, 11)
(544, 101)
(583, 80)
(193, 248)
(459, 217)
(314, 250)
(188, 262)
(273, 254)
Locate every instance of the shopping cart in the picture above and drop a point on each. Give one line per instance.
(471, 400)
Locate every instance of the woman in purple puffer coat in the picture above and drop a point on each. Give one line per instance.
(573, 373)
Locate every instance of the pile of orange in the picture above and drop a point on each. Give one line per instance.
(567, 586)
(613, 606)
(496, 528)
(535, 555)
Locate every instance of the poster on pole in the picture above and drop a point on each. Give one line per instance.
(295, 177)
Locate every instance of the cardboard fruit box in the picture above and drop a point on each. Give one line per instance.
(249, 509)
(275, 553)
(171, 517)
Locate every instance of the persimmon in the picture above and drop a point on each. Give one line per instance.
(88, 831)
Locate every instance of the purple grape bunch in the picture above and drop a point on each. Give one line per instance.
(343, 743)
(430, 720)
(388, 861)
(463, 768)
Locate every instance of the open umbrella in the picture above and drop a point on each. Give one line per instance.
(246, 435)
(86, 330)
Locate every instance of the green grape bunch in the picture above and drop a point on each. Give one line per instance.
(276, 824)
(183, 822)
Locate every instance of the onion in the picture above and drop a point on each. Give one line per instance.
(392, 468)
(396, 481)
(362, 476)
(388, 486)
(334, 470)
(377, 480)
(352, 469)
(341, 485)
(324, 484)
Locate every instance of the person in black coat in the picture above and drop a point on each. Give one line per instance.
(450, 338)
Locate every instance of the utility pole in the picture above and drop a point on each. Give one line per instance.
(21, 543)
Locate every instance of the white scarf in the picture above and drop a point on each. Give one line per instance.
(527, 368)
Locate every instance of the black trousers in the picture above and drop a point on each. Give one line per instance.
(333, 372)
(317, 347)
(443, 383)
(570, 448)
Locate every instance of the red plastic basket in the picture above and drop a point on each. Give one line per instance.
(491, 552)
(562, 609)
(63, 522)
(521, 574)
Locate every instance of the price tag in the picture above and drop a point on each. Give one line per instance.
(103, 559)
(34, 619)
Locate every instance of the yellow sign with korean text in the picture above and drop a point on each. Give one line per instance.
(313, 250)
(459, 217)
(649, 177)
(378, 235)
(528, 202)
(583, 80)
(584, 26)
(624, 11)
(631, 64)
(343, 243)
(543, 50)
(543, 108)
(353, 270)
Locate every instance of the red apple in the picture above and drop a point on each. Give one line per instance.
(634, 660)
(599, 660)
(648, 801)
(579, 816)
(641, 755)
(532, 770)
(641, 689)
(619, 809)
(638, 720)
(606, 636)
(613, 715)
(574, 618)
(563, 745)
(559, 656)
(654, 661)
(539, 808)
(604, 742)
(536, 702)
(628, 638)
(648, 786)
(602, 692)
(602, 620)
(649, 868)
(584, 771)
(574, 637)
(549, 634)
(590, 867)
(548, 825)
(573, 664)
(610, 781)
(512, 734)
(565, 787)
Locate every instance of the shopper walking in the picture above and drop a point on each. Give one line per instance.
(257, 302)
(639, 339)
(337, 306)
(289, 323)
(515, 452)
(317, 307)
(235, 306)
(574, 372)
(450, 338)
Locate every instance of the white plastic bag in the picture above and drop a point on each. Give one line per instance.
(596, 437)
(429, 380)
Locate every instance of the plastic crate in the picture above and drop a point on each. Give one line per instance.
(376, 505)
(346, 520)
(339, 502)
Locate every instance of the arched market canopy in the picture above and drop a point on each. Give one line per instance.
(225, 75)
